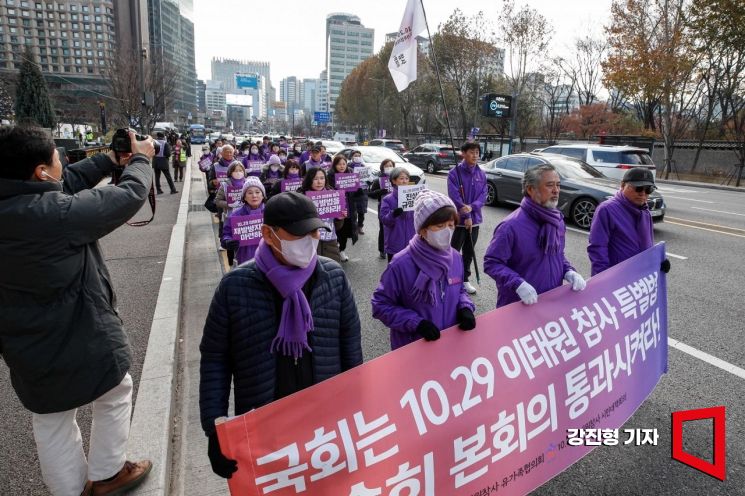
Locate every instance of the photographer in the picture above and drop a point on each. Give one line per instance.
(60, 333)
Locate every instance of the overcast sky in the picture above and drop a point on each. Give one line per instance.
(291, 37)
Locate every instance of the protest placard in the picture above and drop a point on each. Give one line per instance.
(205, 163)
(232, 194)
(329, 202)
(221, 173)
(246, 228)
(385, 183)
(407, 195)
(471, 413)
(346, 181)
(290, 184)
(363, 173)
(254, 166)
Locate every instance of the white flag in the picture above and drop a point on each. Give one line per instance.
(402, 63)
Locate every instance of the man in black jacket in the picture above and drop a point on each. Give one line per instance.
(60, 333)
(160, 164)
(258, 329)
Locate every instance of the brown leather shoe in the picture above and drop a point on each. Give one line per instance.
(88, 489)
(130, 476)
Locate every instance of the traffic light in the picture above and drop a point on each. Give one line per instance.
(494, 105)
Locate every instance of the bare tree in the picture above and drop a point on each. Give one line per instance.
(584, 67)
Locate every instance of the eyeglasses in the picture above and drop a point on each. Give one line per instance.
(646, 189)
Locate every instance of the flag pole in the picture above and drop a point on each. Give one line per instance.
(450, 133)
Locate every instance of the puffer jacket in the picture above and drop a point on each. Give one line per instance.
(60, 333)
(242, 322)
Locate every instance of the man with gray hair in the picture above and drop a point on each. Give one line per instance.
(526, 253)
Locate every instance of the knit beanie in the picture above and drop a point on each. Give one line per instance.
(274, 160)
(252, 181)
(426, 203)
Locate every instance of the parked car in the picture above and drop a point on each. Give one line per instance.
(333, 147)
(583, 187)
(374, 155)
(393, 144)
(433, 157)
(612, 160)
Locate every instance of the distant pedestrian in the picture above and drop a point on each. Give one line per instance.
(359, 197)
(398, 225)
(526, 254)
(179, 161)
(378, 192)
(467, 189)
(160, 164)
(421, 291)
(277, 324)
(622, 225)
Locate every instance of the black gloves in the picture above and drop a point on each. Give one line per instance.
(665, 266)
(232, 244)
(466, 320)
(428, 330)
(398, 212)
(224, 467)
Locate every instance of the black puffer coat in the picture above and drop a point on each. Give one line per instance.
(241, 324)
(60, 333)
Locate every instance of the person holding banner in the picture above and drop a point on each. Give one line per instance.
(467, 189)
(272, 172)
(359, 197)
(622, 226)
(290, 178)
(526, 253)
(277, 324)
(421, 291)
(315, 179)
(398, 225)
(227, 197)
(205, 162)
(378, 190)
(253, 155)
(252, 199)
(348, 229)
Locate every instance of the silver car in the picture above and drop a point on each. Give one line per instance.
(374, 155)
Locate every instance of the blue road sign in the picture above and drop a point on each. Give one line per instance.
(244, 81)
(321, 117)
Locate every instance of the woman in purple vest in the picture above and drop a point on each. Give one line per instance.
(378, 192)
(398, 225)
(315, 180)
(290, 171)
(254, 157)
(271, 173)
(421, 291)
(348, 230)
(253, 195)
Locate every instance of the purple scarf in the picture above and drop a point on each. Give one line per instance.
(225, 163)
(296, 320)
(642, 220)
(236, 183)
(550, 220)
(433, 266)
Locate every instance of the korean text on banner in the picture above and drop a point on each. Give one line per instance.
(254, 166)
(205, 163)
(363, 173)
(385, 183)
(221, 174)
(471, 412)
(407, 195)
(347, 181)
(290, 184)
(402, 63)
(232, 195)
(246, 228)
(329, 202)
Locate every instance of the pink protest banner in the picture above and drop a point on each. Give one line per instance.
(329, 202)
(246, 228)
(254, 167)
(344, 181)
(290, 184)
(232, 194)
(471, 413)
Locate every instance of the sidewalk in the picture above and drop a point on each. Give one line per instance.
(695, 184)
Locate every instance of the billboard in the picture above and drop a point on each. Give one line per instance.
(321, 117)
(241, 100)
(246, 81)
(494, 105)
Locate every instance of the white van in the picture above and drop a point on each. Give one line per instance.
(612, 160)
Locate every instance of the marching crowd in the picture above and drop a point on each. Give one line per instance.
(285, 317)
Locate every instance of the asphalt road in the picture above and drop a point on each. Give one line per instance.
(135, 257)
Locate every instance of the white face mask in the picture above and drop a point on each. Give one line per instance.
(237, 175)
(357, 160)
(440, 239)
(275, 168)
(387, 171)
(299, 252)
(254, 151)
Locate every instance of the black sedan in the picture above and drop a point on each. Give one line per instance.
(582, 186)
(433, 157)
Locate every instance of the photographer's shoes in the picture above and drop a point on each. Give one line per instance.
(173, 192)
(130, 476)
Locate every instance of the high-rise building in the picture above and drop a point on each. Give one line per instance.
(72, 41)
(322, 93)
(348, 43)
(214, 96)
(171, 27)
(201, 96)
(308, 96)
(225, 70)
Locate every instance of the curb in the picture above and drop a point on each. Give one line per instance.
(701, 185)
(151, 430)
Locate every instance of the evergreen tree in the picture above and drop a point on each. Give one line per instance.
(32, 96)
(6, 102)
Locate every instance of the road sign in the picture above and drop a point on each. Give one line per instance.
(321, 117)
(494, 105)
(246, 81)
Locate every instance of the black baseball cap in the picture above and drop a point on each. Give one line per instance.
(639, 176)
(316, 148)
(293, 212)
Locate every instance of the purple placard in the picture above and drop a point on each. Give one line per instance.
(246, 228)
(347, 181)
(221, 174)
(254, 166)
(326, 166)
(232, 194)
(205, 163)
(290, 184)
(329, 202)
(385, 183)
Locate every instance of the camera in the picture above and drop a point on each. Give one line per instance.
(120, 142)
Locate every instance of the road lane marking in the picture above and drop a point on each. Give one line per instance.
(718, 211)
(705, 357)
(730, 231)
(688, 199)
(586, 233)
